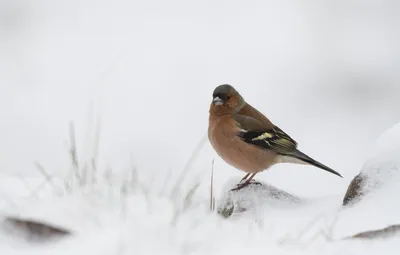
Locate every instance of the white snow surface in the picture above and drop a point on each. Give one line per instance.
(382, 171)
(378, 206)
(105, 220)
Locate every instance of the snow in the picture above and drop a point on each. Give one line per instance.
(107, 219)
(382, 170)
(253, 198)
(381, 175)
(388, 141)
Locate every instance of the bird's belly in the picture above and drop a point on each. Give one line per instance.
(240, 155)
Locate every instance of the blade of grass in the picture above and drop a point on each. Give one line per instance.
(212, 200)
(188, 165)
(46, 175)
(73, 152)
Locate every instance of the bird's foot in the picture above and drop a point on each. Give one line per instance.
(256, 183)
(241, 185)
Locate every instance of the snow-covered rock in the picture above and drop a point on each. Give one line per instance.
(32, 230)
(70, 214)
(381, 172)
(379, 233)
(252, 197)
(371, 202)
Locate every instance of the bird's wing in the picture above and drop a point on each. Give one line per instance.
(253, 132)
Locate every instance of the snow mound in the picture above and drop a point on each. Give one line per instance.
(370, 201)
(382, 171)
(74, 213)
(253, 197)
(389, 140)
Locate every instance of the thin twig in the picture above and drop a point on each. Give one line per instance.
(47, 176)
(95, 157)
(73, 152)
(94, 175)
(26, 183)
(189, 196)
(213, 203)
(325, 232)
(166, 181)
(212, 187)
(7, 198)
(188, 164)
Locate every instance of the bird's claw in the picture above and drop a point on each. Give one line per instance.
(238, 187)
(256, 183)
(241, 185)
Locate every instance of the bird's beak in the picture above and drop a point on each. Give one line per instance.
(218, 101)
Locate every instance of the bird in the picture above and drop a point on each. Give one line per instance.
(247, 140)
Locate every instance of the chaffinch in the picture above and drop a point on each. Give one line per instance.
(247, 140)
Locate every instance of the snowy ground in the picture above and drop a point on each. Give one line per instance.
(123, 216)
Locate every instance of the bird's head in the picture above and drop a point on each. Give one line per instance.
(226, 100)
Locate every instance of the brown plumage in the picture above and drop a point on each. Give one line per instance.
(247, 140)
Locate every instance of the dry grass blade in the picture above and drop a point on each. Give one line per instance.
(96, 146)
(73, 151)
(94, 174)
(213, 203)
(134, 178)
(72, 140)
(212, 200)
(188, 164)
(47, 177)
(27, 186)
(189, 196)
(97, 138)
(326, 232)
(166, 182)
(6, 198)
(187, 202)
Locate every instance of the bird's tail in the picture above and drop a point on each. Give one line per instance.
(297, 156)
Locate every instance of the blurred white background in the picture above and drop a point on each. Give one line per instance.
(327, 72)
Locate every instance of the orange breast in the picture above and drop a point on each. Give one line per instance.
(222, 133)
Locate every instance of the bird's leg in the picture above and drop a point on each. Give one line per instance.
(244, 178)
(249, 179)
(247, 182)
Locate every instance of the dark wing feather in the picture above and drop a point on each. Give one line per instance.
(253, 132)
(275, 139)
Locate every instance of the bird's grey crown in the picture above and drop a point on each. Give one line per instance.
(222, 91)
